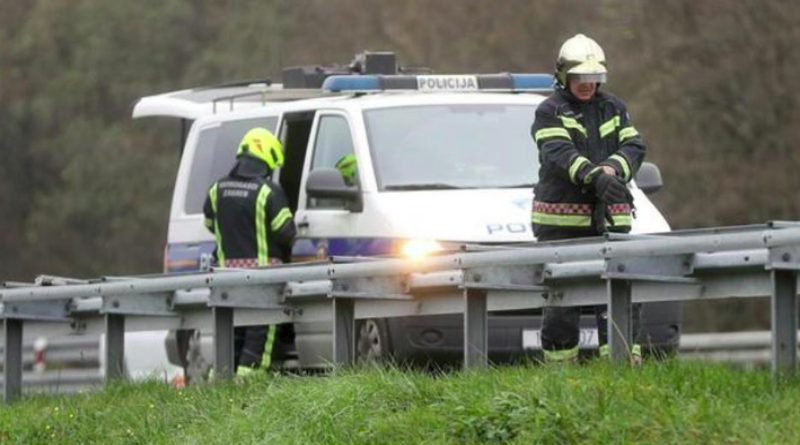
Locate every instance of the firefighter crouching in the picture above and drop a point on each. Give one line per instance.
(588, 151)
(250, 217)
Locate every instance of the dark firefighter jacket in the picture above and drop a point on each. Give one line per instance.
(575, 139)
(250, 217)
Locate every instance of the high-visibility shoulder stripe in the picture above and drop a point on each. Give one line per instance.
(576, 165)
(280, 219)
(261, 225)
(212, 194)
(549, 219)
(627, 133)
(546, 133)
(571, 122)
(209, 223)
(609, 126)
(626, 169)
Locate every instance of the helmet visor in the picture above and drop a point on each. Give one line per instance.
(588, 78)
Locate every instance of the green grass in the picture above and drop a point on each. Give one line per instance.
(660, 403)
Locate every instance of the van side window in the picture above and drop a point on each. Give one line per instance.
(215, 155)
(333, 148)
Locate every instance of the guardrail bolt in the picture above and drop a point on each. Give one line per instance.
(620, 268)
(224, 296)
(346, 287)
(786, 257)
(477, 278)
(545, 295)
(14, 309)
(115, 304)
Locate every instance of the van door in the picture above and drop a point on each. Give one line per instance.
(331, 228)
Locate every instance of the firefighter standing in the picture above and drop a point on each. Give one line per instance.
(250, 217)
(588, 151)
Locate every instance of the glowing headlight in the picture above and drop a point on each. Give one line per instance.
(420, 248)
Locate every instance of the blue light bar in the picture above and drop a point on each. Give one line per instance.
(352, 83)
(461, 83)
(533, 81)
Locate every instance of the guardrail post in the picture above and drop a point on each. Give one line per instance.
(13, 359)
(344, 328)
(784, 321)
(223, 342)
(476, 329)
(115, 347)
(619, 319)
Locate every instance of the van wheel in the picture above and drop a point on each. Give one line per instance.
(373, 340)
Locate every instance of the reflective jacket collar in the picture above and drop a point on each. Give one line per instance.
(247, 167)
(567, 95)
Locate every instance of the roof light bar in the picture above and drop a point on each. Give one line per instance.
(437, 83)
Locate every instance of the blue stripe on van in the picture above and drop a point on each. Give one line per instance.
(185, 257)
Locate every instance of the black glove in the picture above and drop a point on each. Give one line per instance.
(610, 190)
(601, 218)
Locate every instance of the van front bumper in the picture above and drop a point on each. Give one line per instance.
(439, 339)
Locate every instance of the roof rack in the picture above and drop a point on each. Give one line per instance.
(271, 93)
(239, 83)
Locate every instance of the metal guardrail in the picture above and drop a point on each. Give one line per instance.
(750, 349)
(60, 365)
(729, 262)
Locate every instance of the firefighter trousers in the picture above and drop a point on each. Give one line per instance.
(561, 334)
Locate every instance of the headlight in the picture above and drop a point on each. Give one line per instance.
(420, 248)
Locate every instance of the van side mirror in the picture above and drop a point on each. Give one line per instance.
(327, 183)
(648, 178)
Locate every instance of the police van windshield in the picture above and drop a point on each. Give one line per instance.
(440, 147)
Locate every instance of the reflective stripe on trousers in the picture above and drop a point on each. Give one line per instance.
(259, 341)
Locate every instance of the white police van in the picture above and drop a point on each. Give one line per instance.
(441, 161)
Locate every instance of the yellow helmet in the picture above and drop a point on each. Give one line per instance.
(582, 58)
(261, 144)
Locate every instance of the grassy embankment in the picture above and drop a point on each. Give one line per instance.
(661, 403)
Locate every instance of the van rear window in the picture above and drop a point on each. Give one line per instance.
(215, 156)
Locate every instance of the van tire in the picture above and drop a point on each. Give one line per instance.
(372, 340)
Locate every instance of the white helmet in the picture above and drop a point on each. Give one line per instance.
(582, 58)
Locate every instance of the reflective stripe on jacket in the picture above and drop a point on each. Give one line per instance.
(250, 218)
(575, 139)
